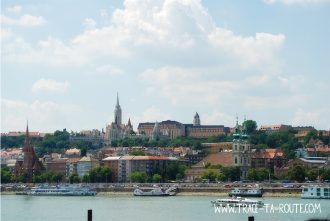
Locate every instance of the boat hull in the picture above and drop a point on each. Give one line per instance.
(245, 195)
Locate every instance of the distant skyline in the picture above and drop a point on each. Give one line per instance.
(63, 62)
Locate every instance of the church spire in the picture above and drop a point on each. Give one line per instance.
(118, 112)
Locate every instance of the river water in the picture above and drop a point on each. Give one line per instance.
(108, 208)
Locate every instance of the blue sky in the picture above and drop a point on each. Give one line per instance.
(62, 62)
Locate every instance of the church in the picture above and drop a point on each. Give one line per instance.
(30, 164)
(117, 130)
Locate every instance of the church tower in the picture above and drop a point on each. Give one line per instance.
(118, 113)
(197, 121)
(30, 164)
(241, 150)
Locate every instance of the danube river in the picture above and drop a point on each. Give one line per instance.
(183, 208)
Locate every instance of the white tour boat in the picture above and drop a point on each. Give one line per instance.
(60, 191)
(238, 202)
(155, 191)
(251, 192)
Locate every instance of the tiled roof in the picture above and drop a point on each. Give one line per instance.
(223, 158)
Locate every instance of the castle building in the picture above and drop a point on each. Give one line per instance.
(241, 151)
(116, 130)
(173, 129)
(30, 164)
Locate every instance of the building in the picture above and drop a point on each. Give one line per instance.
(116, 130)
(85, 164)
(30, 164)
(95, 137)
(275, 128)
(218, 147)
(58, 165)
(123, 166)
(72, 153)
(241, 151)
(268, 158)
(168, 128)
(172, 129)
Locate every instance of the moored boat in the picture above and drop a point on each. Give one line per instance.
(155, 191)
(237, 202)
(251, 192)
(315, 192)
(60, 191)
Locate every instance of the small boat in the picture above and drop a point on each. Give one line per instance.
(60, 191)
(155, 191)
(237, 202)
(315, 192)
(251, 192)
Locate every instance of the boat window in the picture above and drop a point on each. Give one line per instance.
(305, 189)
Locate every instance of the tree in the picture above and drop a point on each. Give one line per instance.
(252, 174)
(156, 178)
(137, 153)
(325, 175)
(74, 178)
(138, 177)
(250, 126)
(221, 177)
(231, 173)
(100, 174)
(312, 175)
(211, 175)
(5, 176)
(297, 173)
(312, 134)
(175, 171)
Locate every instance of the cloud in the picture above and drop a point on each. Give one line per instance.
(14, 9)
(314, 117)
(49, 85)
(296, 2)
(165, 31)
(109, 69)
(47, 116)
(153, 114)
(26, 20)
(89, 23)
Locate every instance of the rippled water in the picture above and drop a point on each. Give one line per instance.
(34, 208)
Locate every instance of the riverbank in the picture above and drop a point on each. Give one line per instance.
(217, 192)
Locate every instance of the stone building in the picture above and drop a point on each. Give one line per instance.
(30, 164)
(117, 130)
(241, 151)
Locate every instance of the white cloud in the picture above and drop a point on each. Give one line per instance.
(164, 30)
(49, 85)
(109, 69)
(26, 20)
(153, 114)
(89, 23)
(218, 117)
(46, 116)
(319, 117)
(14, 9)
(296, 2)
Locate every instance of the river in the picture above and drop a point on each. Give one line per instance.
(183, 208)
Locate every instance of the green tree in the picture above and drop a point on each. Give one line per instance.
(5, 176)
(156, 178)
(211, 175)
(325, 174)
(231, 173)
(100, 174)
(312, 134)
(252, 174)
(221, 176)
(138, 177)
(297, 173)
(137, 153)
(74, 178)
(312, 175)
(250, 126)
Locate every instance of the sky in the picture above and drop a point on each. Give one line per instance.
(63, 62)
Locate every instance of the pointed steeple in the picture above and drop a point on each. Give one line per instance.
(118, 112)
(237, 133)
(117, 100)
(27, 135)
(129, 122)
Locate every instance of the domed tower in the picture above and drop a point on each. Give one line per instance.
(118, 112)
(197, 121)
